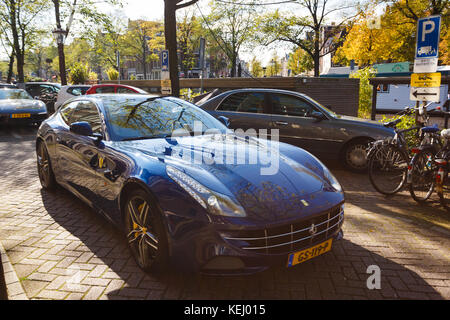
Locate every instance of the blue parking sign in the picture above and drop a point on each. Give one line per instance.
(165, 60)
(427, 44)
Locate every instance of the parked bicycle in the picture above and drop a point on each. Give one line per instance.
(442, 169)
(420, 176)
(388, 159)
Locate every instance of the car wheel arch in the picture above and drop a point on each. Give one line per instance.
(133, 184)
(353, 140)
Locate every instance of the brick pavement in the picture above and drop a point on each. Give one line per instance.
(60, 249)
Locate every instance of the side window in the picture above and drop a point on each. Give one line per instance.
(66, 111)
(33, 90)
(87, 111)
(291, 106)
(124, 90)
(244, 102)
(105, 90)
(77, 91)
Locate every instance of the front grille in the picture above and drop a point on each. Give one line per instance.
(291, 237)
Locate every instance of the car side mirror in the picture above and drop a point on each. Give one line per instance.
(224, 120)
(81, 128)
(318, 115)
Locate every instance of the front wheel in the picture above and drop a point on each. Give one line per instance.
(421, 176)
(387, 169)
(355, 155)
(145, 231)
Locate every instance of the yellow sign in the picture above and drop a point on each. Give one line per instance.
(166, 83)
(426, 80)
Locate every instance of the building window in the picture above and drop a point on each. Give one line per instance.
(383, 88)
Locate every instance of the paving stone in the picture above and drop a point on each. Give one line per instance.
(60, 249)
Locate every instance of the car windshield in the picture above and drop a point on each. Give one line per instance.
(134, 118)
(14, 94)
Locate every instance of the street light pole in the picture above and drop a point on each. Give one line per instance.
(60, 35)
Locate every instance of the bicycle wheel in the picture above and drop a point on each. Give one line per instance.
(422, 175)
(443, 190)
(387, 169)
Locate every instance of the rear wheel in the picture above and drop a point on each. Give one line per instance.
(422, 176)
(387, 169)
(46, 176)
(145, 231)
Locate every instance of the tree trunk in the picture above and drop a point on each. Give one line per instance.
(20, 61)
(17, 50)
(62, 59)
(170, 31)
(233, 66)
(316, 53)
(10, 67)
(62, 64)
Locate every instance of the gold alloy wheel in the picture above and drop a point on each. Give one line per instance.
(141, 237)
(43, 165)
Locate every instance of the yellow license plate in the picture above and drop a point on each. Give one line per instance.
(304, 255)
(20, 115)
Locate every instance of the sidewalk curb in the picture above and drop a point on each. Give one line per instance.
(14, 288)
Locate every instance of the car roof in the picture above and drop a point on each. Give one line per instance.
(76, 85)
(43, 82)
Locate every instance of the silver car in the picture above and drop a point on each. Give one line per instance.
(301, 121)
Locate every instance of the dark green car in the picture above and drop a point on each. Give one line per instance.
(301, 121)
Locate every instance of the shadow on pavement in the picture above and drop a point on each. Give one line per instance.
(339, 274)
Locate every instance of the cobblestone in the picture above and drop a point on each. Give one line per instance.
(60, 249)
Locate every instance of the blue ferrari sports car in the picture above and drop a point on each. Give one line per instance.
(186, 190)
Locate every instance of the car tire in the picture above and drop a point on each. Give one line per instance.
(145, 231)
(354, 155)
(44, 166)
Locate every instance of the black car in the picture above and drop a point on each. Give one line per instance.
(44, 91)
(301, 121)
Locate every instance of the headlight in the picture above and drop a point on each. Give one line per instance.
(216, 203)
(332, 179)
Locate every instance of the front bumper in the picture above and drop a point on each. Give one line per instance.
(223, 249)
(32, 118)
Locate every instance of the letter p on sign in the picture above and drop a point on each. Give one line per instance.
(428, 30)
(428, 27)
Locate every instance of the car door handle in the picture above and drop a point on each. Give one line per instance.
(281, 123)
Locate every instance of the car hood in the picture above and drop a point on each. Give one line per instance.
(21, 105)
(274, 186)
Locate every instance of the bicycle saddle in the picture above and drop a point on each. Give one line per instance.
(392, 123)
(430, 129)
